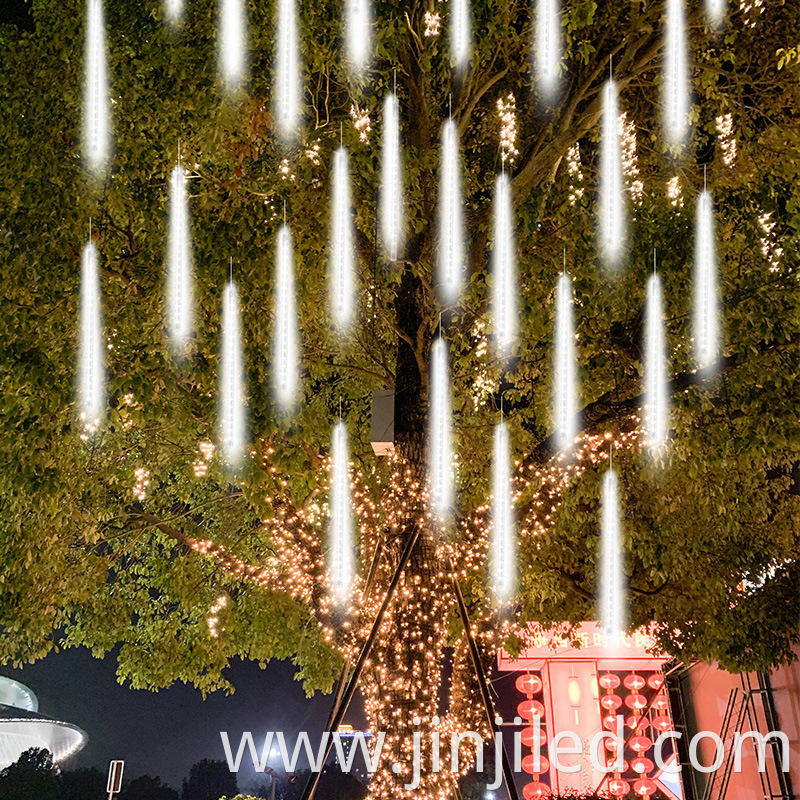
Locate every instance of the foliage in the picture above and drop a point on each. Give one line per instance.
(209, 780)
(711, 530)
(32, 777)
(146, 787)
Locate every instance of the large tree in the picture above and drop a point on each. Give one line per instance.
(99, 554)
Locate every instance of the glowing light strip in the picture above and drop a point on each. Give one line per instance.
(564, 400)
(706, 324)
(655, 367)
(174, 9)
(459, 31)
(612, 188)
(548, 43)
(441, 456)
(359, 38)
(341, 523)
(179, 269)
(504, 266)
(91, 353)
(675, 80)
(611, 590)
(95, 123)
(288, 71)
(391, 185)
(232, 39)
(342, 266)
(503, 538)
(285, 356)
(451, 234)
(715, 9)
(232, 379)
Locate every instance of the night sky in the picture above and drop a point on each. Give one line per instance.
(164, 733)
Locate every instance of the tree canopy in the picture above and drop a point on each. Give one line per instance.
(95, 553)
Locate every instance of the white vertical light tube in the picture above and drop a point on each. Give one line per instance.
(441, 454)
(676, 84)
(612, 188)
(504, 266)
(359, 32)
(655, 367)
(232, 40)
(548, 44)
(287, 85)
(503, 537)
(392, 182)
(286, 356)
(231, 378)
(341, 522)
(460, 31)
(611, 589)
(715, 11)
(174, 9)
(564, 400)
(97, 102)
(451, 230)
(91, 350)
(706, 324)
(179, 267)
(342, 257)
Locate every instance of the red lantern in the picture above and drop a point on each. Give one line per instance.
(655, 681)
(618, 787)
(637, 723)
(641, 765)
(610, 702)
(529, 684)
(661, 703)
(609, 680)
(529, 735)
(634, 682)
(528, 709)
(529, 764)
(662, 723)
(535, 790)
(610, 722)
(636, 701)
(641, 744)
(611, 744)
(644, 787)
(611, 763)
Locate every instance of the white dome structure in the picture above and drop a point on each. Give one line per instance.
(22, 727)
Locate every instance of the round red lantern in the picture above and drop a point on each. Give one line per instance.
(634, 682)
(535, 790)
(529, 684)
(611, 745)
(610, 702)
(529, 735)
(609, 681)
(661, 703)
(641, 744)
(637, 723)
(641, 765)
(528, 709)
(611, 764)
(644, 787)
(618, 787)
(655, 681)
(610, 722)
(662, 723)
(636, 701)
(529, 764)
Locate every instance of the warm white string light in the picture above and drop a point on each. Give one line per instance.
(359, 38)
(342, 257)
(548, 44)
(96, 111)
(655, 367)
(676, 85)
(180, 265)
(460, 31)
(503, 537)
(504, 266)
(706, 325)
(286, 356)
(611, 590)
(441, 455)
(287, 86)
(91, 353)
(564, 400)
(231, 378)
(391, 184)
(612, 188)
(341, 522)
(451, 233)
(231, 40)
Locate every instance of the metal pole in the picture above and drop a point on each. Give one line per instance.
(508, 774)
(333, 725)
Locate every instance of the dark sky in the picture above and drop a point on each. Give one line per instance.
(164, 733)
